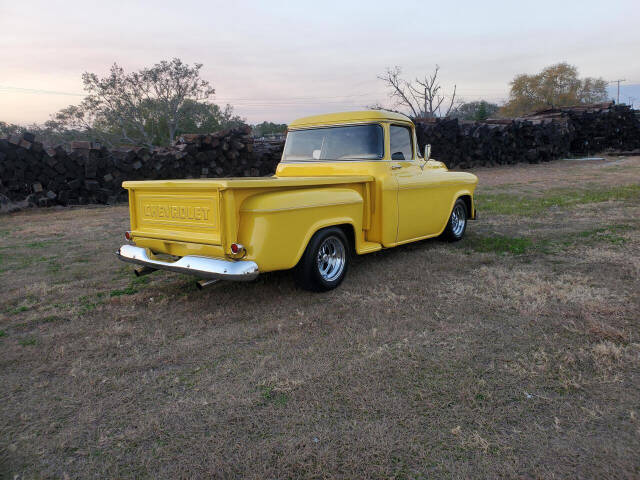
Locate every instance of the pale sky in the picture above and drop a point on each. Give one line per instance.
(278, 61)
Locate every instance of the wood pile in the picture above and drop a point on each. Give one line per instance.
(603, 127)
(540, 137)
(228, 153)
(90, 173)
(473, 144)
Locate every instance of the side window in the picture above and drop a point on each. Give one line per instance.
(401, 144)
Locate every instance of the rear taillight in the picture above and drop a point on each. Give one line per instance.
(128, 235)
(236, 248)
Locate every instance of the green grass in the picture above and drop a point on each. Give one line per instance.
(609, 234)
(88, 304)
(268, 395)
(16, 310)
(40, 244)
(40, 321)
(511, 204)
(124, 291)
(51, 319)
(140, 280)
(53, 266)
(3, 333)
(133, 285)
(500, 244)
(28, 341)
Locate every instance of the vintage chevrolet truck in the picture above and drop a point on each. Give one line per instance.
(348, 183)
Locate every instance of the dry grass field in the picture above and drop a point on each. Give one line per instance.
(512, 354)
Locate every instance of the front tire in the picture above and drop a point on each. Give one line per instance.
(325, 261)
(457, 224)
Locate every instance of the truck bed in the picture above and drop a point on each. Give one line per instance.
(204, 211)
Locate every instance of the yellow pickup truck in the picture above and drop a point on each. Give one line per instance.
(348, 183)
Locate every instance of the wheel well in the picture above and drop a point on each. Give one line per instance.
(350, 233)
(467, 202)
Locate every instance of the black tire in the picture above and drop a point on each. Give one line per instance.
(316, 275)
(457, 224)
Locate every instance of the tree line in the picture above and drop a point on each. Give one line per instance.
(155, 105)
(555, 86)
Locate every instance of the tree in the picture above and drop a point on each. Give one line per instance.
(555, 86)
(173, 84)
(423, 98)
(268, 128)
(8, 129)
(476, 111)
(80, 122)
(144, 107)
(197, 117)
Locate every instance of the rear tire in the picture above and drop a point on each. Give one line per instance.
(325, 261)
(457, 224)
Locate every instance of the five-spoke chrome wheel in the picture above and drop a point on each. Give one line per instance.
(325, 261)
(331, 259)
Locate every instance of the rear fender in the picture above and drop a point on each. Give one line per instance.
(275, 227)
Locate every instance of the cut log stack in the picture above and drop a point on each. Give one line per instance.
(471, 144)
(604, 127)
(540, 137)
(91, 173)
(228, 153)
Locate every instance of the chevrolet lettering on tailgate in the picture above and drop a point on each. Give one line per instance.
(348, 183)
(176, 211)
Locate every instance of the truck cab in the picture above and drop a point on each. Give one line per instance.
(348, 183)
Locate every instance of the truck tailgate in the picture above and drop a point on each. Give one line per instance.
(184, 214)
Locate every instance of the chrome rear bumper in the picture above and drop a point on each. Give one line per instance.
(204, 267)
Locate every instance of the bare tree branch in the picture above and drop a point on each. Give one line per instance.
(453, 98)
(399, 88)
(421, 97)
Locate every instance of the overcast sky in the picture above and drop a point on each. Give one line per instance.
(281, 60)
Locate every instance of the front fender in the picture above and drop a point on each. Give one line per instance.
(275, 227)
(462, 193)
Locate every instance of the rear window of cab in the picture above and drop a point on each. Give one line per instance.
(351, 142)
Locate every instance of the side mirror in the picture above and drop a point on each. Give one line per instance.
(427, 152)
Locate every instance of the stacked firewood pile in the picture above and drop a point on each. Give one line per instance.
(604, 127)
(540, 137)
(90, 173)
(497, 142)
(228, 153)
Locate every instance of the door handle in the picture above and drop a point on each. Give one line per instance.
(395, 166)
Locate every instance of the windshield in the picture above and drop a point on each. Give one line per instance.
(357, 142)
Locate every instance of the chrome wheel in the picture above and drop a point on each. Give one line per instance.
(331, 259)
(458, 219)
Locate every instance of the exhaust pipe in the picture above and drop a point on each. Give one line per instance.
(201, 284)
(144, 271)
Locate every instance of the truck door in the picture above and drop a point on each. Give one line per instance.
(421, 204)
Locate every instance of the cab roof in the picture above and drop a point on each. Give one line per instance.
(349, 117)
